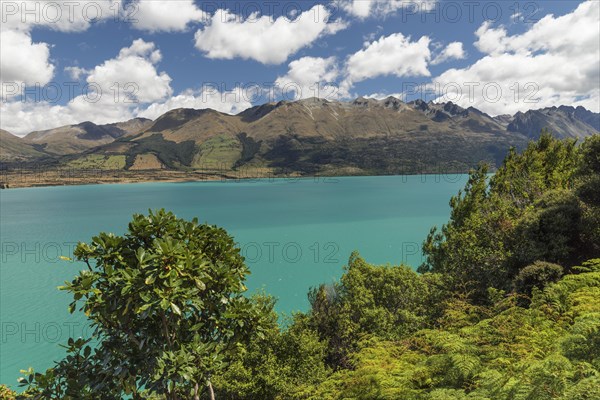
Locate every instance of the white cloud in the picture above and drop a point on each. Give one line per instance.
(454, 51)
(21, 118)
(391, 55)
(169, 16)
(359, 8)
(22, 61)
(572, 33)
(383, 96)
(380, 8)
(76, 72)
(310, 77)
(230, 102)
(117, 87)
(134, 68)
(143, 49)
(262, 38)
(557, 61)
(152, 91)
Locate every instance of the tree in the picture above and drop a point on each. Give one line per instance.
(589, 193)
(287, 363)
(527, 211)
(538, 275)
(167, 307)
(387, 301)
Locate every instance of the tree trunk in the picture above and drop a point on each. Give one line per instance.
(196, 395)
(211, 391)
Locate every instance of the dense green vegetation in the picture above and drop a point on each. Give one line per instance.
(505, 307)
(378, 155)
(171, 154)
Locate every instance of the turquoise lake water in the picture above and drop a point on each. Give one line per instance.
(294, 233)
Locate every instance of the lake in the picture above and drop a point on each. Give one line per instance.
(294, 233)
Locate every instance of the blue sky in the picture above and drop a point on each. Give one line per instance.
(499, 56)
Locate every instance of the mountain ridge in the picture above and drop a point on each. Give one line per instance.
(314, 136)
(76, 138)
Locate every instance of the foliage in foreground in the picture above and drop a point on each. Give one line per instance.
(167, 306)
(506, 306)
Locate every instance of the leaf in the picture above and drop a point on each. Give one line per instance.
(150, 280)
(164, 304)
(200, 285)
(175, 309)
(140, 255)
(143, 308)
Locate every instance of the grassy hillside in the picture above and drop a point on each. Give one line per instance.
(14, 148)
(75, 139)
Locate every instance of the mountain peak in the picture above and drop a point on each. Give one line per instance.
(175, 118)
(313, 100)
(393, 102)
(365, 102)
(563, 121)
(419, 104)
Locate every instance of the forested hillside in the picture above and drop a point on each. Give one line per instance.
(505, 307)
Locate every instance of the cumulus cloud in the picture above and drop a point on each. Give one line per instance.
(22, 61)
(263, 38)
(454, 51)
(133, 68)
(21, 118)
(25, 63)
(115, 88)
(393, 55)
(555, 62)
(358, 8)
(121, 88)
(166, 16)
(310, 77)
(230, 102)
(572, 33)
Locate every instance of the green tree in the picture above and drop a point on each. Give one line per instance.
(528, 211)
(588, 191)
(167, 307)
(537, 275)
(390, 302)
(287, 363)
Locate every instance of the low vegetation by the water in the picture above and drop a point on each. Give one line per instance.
(505, 307)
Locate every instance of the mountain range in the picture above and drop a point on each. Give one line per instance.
(311, 136)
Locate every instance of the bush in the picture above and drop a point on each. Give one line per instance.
(538, 274)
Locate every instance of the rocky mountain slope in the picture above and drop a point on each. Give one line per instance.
(563, 121)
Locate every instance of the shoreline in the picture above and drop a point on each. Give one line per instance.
(25, 179)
